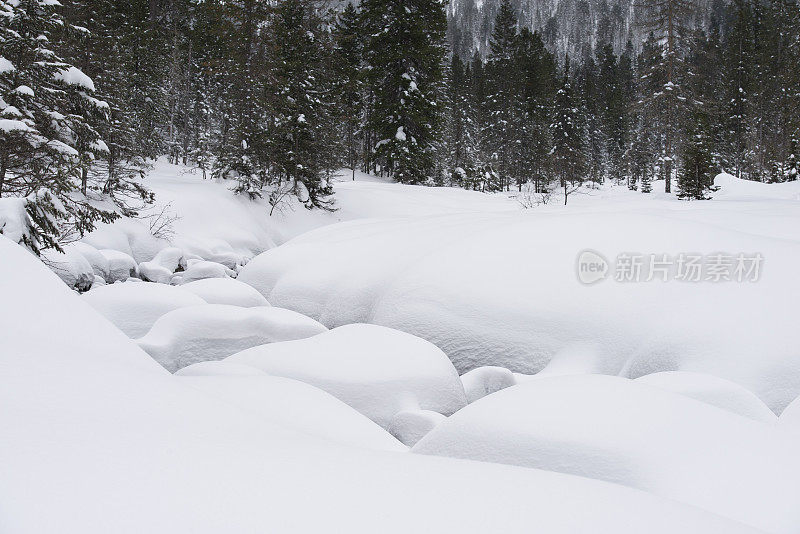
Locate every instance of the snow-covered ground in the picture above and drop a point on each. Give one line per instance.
(274, 423)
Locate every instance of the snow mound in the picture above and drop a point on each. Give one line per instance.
(226, 291)
(200, 270)
(102, 423)
(14, 221)
(121, 266)
(437, 278)
(621, 431)
(790, 417)
(98, 262)
(133, 308)
(482, 381)
(218, 368)
(298, 406)
(376, 370)
(214, 331)
(71, 267)
(163, 265)
(410, 426)
(714, 391)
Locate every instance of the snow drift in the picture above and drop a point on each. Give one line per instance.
(376, 370)
(134, 307)
(214, 331)
(622, 431)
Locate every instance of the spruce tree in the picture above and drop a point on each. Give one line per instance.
(405, 54)
(301, 152)
(349, 66)
(49, 127)
(569, 138)
(695, 180)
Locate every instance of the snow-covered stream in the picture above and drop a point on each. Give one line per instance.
(316, 360)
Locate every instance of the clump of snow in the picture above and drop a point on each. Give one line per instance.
(133, 308)
(298, 406)
(410, 426)
(71, 267)
(74, 76)
(163, 265)
(712, 390)
(218, 368)
(98, 261)
(226, 291)
(482, 381)
(5, 66)
(214, 331)
(120, 265)
(14, 222)
(102, 423)
(376, 370)
(200, 270)
(622, 431)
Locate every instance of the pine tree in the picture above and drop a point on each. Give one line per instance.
(405, 54)
(503, 97)
(348, 62)
(669, 20)
(537, 71)
(569, 138)
(695, 179)
(49, 135)
(301, 152)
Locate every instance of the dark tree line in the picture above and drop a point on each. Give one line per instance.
(275, 95)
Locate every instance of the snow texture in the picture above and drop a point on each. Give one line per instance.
(213, 331)
(712, 390)
(133, 308)
(622, 431)
(376, 370)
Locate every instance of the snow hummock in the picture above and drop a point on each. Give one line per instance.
(133, 308)
(71, 267)
(376, 370)
(790, 417)
(482, 381)
(201, 270)
(218, 368)
(629, 433)
(410, 426)
(712, 390)
(226, 291)
(213, 331)
(102, 423)
(298, 406)
(121, 266)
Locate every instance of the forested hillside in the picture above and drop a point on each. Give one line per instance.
(275, 96)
